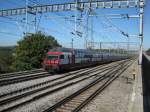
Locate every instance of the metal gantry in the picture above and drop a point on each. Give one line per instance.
(80, 5)
(71, 6)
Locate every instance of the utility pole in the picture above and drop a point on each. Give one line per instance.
(86, 34)
(72, 43)
(26, 17)
(128, 45)
(78, 8)
(100, 45)
(35, 23)
(87, 30)
(141, 14)
(92, 39)
(75, 19)
(91, 25)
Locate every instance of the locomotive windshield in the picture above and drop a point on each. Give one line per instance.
(52, 57)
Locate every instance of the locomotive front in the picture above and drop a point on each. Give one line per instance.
(52, 61)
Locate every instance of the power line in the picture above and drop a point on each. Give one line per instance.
(113, 25)
(20, 21)
(7, 22)
(8, 33)
(69, 20)
(55, 14)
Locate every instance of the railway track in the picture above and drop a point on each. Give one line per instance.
(4, 101)
(66, 77)
(15, 74)
(17, 77)
(16, 97)
(77, 73)
(12, 78)
(22, 78)
(26, 73)
(79, 99)
(25, 76)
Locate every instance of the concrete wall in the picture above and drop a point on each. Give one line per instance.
(146, 82)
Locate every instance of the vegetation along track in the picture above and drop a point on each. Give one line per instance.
(79, 99)
(15, 97)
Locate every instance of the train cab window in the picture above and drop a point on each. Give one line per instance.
(52, 57)
(61, 56)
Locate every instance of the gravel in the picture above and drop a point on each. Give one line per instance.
(114, 98)
(16, 86)
(44, 102)
(47, 101)
(13, 87)
(31, 96)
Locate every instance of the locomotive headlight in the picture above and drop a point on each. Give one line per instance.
(56, 61)
(49, 62)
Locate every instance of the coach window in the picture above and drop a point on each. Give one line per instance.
(61, 56)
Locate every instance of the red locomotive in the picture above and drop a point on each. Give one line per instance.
(67, 58)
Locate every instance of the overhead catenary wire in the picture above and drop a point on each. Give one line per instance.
(48, 29)
(72, 16)
(118, 29)
(8, 33)
(60, 23)
(37, 3)
(40, 4)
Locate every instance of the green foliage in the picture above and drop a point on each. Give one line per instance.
(5, 59)
(30, 51)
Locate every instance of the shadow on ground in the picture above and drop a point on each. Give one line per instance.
(146, 83)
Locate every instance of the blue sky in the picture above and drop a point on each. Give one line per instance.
(12, 28)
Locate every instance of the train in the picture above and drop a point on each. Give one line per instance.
(58, 59)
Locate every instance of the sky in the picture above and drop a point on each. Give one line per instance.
(61, 25)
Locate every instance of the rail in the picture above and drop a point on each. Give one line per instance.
(87, 93)
(12, 100)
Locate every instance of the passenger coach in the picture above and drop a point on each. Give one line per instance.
(67, 58)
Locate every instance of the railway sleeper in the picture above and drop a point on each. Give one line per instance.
(66, 108)
(63, 109)
(82, 98)
(78, 101)
(71, 105)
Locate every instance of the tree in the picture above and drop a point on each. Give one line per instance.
(30, 51)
